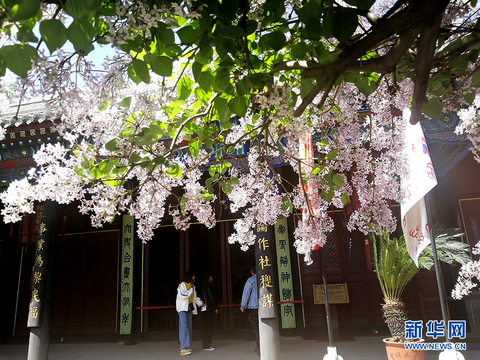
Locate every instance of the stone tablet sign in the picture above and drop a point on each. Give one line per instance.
(337, 294)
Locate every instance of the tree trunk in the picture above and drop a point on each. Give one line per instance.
(395, 314)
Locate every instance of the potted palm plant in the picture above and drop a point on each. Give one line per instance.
(395, 268)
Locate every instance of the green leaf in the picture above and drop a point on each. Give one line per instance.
(9, 3)
(25, 34)
(287, 204)
(276, 40)
(239, 105)
(221, 105)
(157, 130)
(126, 102)
(194, 146)
(317, 169)
(54, 34)
(242, 86)
(197, 69)
(3, 66)
(439, 84)
(112, 145)
(145, 139)
(459, 65)
(23, 10)
(345, 23)
(173, 51)
(164, 34)
(174, 171)
(332, 155)
(212, 170)
(159, 160)
(227, 185)
(205, 54)
(469, 98)
(80, 33)
(185, 87)
(327, 195)
(226, 188)
(476, 78)
(161, 65)
(105, 105)
(19, 58)
(121, 169)
(135, 158)
(345, 199)
(366, 84)
(328, 21)
(108, 10)
(293, 96)
(133, 75)
(433, 108)
(141, 69)
(299, 51)
(337, 181)
(328, 179)
(203, 96)
(251, 27)
(306, 85)
(205, 80)
(222, 78)
(323, 54)
(82, 9)
(188, 34)
(230, 32)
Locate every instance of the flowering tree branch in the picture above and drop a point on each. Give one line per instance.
(189, 85)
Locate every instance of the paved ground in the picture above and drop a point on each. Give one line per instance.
(292, 348)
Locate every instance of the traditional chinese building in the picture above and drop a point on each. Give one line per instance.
(106, 282)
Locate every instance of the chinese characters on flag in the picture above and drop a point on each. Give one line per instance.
(421, 180)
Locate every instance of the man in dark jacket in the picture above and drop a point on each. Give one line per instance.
(209, 299)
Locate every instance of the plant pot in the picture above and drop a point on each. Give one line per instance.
(397, 351)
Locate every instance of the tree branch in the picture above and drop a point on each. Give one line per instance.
(456, 52)
(387, 63)
(196, 116)
(415, 15)
(371, 17)
(423, 65)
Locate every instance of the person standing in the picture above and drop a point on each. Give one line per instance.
(209, 299)
(250, 302)
(186, 305)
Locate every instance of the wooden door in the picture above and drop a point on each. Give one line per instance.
(346, 262)
(85, 284)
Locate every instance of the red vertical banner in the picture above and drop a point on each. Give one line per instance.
(305, 151)
(265, 260)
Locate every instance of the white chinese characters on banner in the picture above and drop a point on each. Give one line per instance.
(420, 181)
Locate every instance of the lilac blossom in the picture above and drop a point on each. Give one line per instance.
(147, 136)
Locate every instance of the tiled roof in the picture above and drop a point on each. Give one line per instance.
(29, 112)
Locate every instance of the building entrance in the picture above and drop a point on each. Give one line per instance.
(198, 250)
